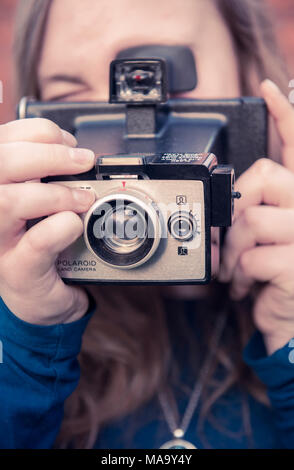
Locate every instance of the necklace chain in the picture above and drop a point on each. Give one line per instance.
(179, 429)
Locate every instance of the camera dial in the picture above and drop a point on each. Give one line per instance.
(182, 226)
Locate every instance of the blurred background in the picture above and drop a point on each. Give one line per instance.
(283, 11)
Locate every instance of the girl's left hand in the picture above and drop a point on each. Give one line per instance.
(259, 246)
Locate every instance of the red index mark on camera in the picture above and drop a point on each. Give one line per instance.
(124, 185)
(138, 78)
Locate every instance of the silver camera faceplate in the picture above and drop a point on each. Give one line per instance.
(173, 260)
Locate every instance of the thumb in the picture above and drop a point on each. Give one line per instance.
(41, 244)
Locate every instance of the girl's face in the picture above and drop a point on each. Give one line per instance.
(83, 36)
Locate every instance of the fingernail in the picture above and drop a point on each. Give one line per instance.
(68, 138)
(82, 156)
(270, 84)
(84, 196)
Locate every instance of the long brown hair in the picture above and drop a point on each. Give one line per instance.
(126, 352)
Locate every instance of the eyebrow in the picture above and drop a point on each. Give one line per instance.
(62, 78)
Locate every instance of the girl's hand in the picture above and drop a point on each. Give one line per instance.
(260, 244)
(29, 283)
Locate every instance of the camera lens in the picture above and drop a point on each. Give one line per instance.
(123, 230)
(182, 226)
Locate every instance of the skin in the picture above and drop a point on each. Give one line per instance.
(91, 33)
(259, 245)
(95, 33)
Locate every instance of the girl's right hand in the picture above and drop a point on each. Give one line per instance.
(30, 286)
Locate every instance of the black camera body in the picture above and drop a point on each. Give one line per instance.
(164, 174)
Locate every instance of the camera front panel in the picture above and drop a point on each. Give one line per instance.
(141, 231)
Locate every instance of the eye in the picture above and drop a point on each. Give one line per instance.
(68, 96)
(61, 87)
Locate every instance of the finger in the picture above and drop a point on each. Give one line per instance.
(256, 225)
(35, 130)
(21, 202)
(39, 247)
(24, 161)
(265, 182)
(261, 264)
(283, 113)
(240, 287)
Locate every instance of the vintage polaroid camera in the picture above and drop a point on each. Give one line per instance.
(164, 173)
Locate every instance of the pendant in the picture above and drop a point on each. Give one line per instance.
(177, 444)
